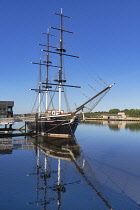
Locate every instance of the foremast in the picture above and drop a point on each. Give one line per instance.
(48, 64)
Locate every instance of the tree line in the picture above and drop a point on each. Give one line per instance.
(128, 113)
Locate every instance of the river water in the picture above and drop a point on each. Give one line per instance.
(99, 169)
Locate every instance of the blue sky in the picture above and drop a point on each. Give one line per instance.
(107, 40)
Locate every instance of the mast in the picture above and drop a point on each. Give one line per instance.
(39, 91)
(61, 50)
(61, 59)
(47, 69)
(48, 64)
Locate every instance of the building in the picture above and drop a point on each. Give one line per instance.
(6, 109)
(120, 115)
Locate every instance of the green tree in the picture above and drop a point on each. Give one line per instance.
(134, 113)
(114, 111)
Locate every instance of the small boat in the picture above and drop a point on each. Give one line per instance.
(57, 122)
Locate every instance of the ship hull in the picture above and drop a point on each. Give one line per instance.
(58, 127)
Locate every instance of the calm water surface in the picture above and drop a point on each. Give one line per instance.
(98, 170)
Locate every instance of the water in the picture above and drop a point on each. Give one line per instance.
(97, 170)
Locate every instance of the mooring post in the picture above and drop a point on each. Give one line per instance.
(10, 126)
(25, 127)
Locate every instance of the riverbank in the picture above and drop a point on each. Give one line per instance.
(121, 119)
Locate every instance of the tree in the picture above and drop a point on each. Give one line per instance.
(134, 112)
(114, 111)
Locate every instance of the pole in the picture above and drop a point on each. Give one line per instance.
(61, 59)
(39, 91)
(47, 70)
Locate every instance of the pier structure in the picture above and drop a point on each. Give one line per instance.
(6, 129)
(7, 122)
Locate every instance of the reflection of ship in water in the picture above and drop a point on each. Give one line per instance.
(62, 148)
(52, 171)
(61, 169)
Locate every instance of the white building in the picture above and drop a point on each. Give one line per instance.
(120, 115)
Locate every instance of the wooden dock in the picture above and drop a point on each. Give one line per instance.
(7, 131)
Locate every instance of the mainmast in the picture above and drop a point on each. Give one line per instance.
(39, 91)
(60, 79)
(47, 68)
(61, 52)
(61, 59)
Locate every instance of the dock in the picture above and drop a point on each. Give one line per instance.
(6, 129)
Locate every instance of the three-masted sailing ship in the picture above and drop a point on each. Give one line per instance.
(57, 121)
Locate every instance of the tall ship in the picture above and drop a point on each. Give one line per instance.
(57, 121)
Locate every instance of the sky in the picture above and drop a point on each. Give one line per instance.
(107, 39)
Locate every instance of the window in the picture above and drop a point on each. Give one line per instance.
(9, 109)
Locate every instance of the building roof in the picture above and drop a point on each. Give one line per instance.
(6, 103)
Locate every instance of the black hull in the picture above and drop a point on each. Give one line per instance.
(56, 127)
